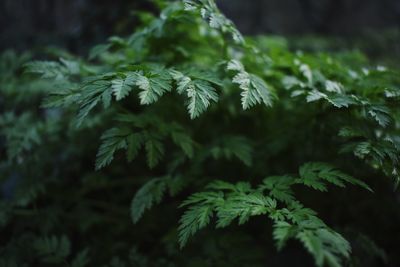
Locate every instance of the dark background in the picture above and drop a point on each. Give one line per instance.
(78, 24)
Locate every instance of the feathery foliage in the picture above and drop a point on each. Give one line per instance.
(243, 128)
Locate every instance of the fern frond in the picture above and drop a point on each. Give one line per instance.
(49, 69)
(194, 219)
(155, 150)
(148, 195)
(279, 187)
(211, 14)
(112, 140)
(199, 91)
(153, 85)
(152, 192)
(233, 146)
(229, 202)
(282, 232)
(121, 86)
(134, 143)
(254, 89)
(315, 174)
(93, 93)
(184, 141)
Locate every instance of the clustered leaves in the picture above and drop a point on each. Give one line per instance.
(274, 198)
(187, 103)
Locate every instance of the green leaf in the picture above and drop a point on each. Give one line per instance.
(199, 90)
(122, 86)
(341, 100)
(185, 142)
(154, 149)
(242, 206)
(216, 20)
(47, 69)
(153, 85)
(236, 146)
(91, 94)
(200, 95)
(112, 141)
(279, 187)
(193, 220)
(381, 114)
(282, 231)
(175, 184)
(254, 89)
(315, 174)
(134, 143)
(152, 192)
(313, 244)
(149, 194)
(98, 50)
(22, 133)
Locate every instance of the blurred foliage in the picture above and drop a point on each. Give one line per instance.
(187, 112)
(380, 46)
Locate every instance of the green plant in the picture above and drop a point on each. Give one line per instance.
(191, 104)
